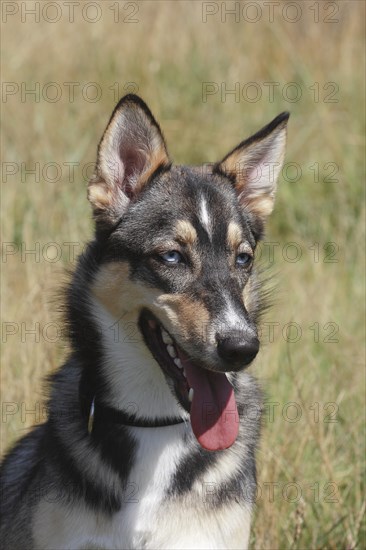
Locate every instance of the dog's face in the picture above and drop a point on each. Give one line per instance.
(179, 246)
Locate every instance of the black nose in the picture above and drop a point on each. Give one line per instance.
(239, 349)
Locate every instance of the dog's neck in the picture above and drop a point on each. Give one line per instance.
(94, 411)
(133, 382)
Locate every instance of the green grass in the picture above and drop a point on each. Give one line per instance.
(169, 54)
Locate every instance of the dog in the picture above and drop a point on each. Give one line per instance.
(153, 421)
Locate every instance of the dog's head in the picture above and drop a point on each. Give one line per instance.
(179, 247)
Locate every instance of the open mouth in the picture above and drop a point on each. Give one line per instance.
(207, 395)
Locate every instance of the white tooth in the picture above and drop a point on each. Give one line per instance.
(171, 351)
(165, 336)
(190, 395)
(184, 374)
(177, 361)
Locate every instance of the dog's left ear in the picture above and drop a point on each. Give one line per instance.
(131, 150)
(254, 166)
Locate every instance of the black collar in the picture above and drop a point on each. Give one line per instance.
(93, 410)
(103, 414)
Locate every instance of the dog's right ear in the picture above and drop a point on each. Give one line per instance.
(131, 150)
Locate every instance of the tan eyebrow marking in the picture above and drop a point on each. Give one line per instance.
(234, 235)
(185, 232)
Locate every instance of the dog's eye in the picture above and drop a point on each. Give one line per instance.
(172, 257)
(243, 259)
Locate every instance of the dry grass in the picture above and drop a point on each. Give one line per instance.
(169, 53)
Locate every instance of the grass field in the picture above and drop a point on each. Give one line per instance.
(185, 58)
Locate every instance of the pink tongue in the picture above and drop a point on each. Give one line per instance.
(214, 416)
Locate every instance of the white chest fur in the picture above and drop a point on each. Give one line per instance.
(148, 519)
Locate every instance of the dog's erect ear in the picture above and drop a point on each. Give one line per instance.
(131, 150)
(254, 166)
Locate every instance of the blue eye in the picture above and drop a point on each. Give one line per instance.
(172, 257)
(243, 259)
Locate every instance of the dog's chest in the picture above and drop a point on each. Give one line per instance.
(150, 517)
(159, 452)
